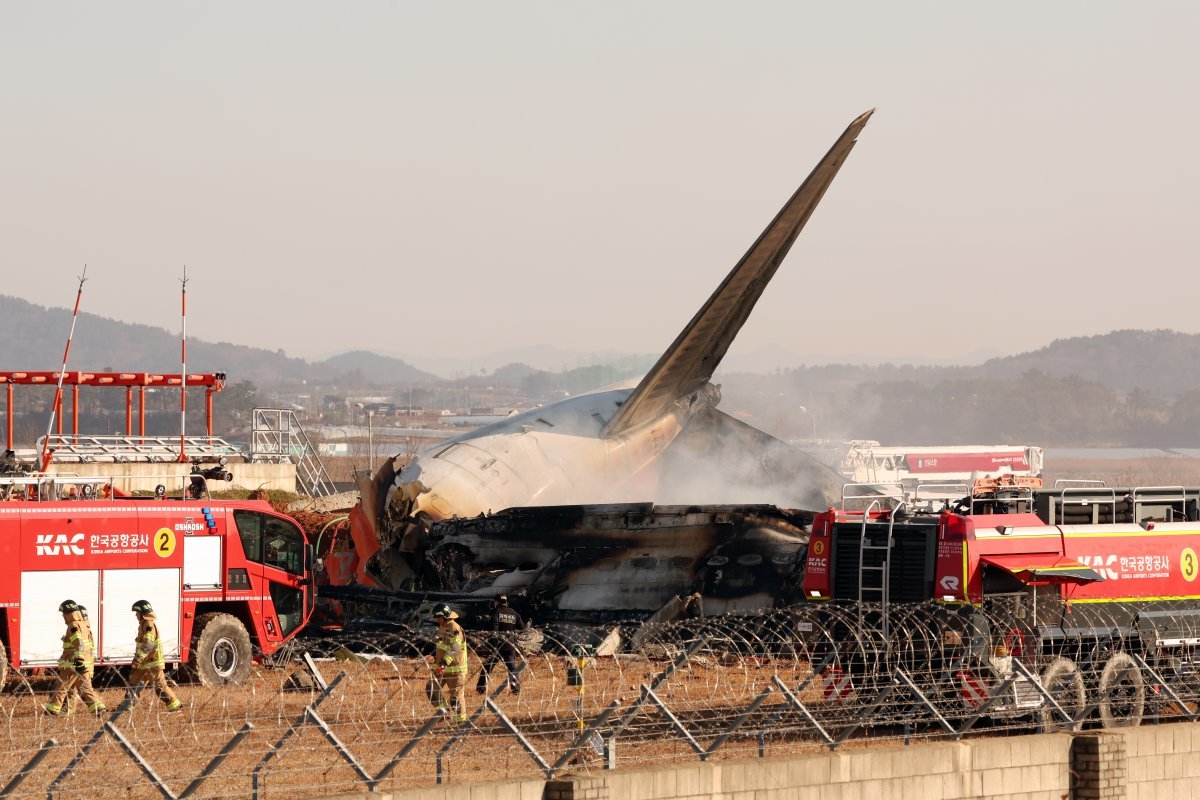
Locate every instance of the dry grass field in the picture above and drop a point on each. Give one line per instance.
(375, 710)
(1131, 472)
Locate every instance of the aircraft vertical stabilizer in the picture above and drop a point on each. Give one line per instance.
(691, 360)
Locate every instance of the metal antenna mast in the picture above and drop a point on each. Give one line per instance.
(183, 371)
(54, 409)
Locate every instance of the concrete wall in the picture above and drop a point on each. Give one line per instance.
(139, 477)
(1162, 761)
(1024, 768)
(1153, 761)
(491, 790)
(528, 789)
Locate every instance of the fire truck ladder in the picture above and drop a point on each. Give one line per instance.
(871, 590)
(276, 436)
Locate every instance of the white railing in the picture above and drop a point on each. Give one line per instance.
(78, 448)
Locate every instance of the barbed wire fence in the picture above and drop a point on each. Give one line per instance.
(332, 716)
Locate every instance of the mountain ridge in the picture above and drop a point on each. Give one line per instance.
(1160, 361)
(26, 344)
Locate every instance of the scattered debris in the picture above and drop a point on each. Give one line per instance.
(342, 501)
(343, 654)
(299, 681)
(610, 644)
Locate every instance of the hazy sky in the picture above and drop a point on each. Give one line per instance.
(453, 179)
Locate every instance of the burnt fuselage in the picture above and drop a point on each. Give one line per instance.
(624, 560)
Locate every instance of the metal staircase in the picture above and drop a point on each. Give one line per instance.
(276, 436)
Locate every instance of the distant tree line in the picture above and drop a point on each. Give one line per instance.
(1034, 408)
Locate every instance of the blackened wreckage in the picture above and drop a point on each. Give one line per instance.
(625, 561)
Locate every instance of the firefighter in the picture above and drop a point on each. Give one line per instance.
(77, 664)
(148, 664)
(450, 663)
(502, 645)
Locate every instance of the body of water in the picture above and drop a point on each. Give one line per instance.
(1118, 453)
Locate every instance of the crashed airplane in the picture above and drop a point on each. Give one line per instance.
(625, 561)
(617, 445)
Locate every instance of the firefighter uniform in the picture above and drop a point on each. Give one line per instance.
(77, 664)
(501, 645)
(450, 663)
(148, 664)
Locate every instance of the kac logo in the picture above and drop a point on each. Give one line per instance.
(1102, 564)
(57, 544)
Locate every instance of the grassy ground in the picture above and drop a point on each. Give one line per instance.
(1134, 472)
(376, 709)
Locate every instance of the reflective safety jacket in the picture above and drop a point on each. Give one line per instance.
(148, 652)
(452, 648)
(79, 646)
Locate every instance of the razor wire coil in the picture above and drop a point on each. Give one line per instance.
(805, 678)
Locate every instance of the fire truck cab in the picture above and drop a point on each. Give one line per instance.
(226, 578)
(1060, 589)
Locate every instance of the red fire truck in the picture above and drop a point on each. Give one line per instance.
(1077, 584)
(226, 578)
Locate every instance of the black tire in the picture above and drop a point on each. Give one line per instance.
(1064, 682)
(1122, 692)
(220, 650)
(3, 667)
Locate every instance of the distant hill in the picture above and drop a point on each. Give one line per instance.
(1122, 389)
(26, 343)
(543, 356)
(546, 358)
(509, 375)
(381, 369)
(1162, 362)
(774, 357)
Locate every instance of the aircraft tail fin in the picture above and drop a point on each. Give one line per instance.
(690, 361)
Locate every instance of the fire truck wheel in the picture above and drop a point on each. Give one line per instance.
(1122, 692)
(1065, 684)
(3, 666)
(220, 650)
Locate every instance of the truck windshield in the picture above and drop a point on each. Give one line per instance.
(271, 541)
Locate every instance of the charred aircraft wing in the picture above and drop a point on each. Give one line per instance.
(693, 357)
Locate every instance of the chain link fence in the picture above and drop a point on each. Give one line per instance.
(355, 713)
